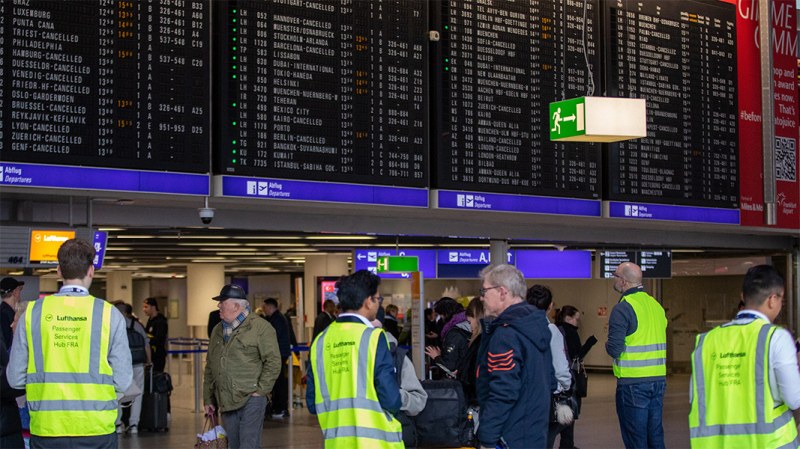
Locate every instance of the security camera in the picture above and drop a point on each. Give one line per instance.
(206, 215)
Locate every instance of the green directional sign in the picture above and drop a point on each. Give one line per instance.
(567, 118)
(398, 264)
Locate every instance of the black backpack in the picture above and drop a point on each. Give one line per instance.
(136, 343)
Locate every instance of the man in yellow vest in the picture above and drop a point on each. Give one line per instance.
(352, 385)
(71, 355)
(637, 341)
(745, 377)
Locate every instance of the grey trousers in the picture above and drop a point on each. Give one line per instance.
(244, 426)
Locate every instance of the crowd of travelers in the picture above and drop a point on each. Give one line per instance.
(507, 367)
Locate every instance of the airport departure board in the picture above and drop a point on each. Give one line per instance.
(321, 90)
(681, 57)
(106, 83)
(500, 65)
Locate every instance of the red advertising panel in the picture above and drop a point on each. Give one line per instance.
(751, 184)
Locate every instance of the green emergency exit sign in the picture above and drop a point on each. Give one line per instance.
(598, 119)
(398, 264)
(566, 118)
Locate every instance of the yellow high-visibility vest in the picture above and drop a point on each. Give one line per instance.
(732, 405)
(69, 387)
(343, 357)
(645, 353)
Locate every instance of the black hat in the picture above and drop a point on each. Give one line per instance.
(230, 291)
(9, 284)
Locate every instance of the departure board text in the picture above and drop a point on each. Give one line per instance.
(329, 91)
(106, 83)
(681, 57)
(501, 64)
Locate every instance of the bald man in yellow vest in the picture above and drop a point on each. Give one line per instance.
(637, 341)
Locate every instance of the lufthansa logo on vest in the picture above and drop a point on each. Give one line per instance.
(70, 318)
(48, 317)
(727, 355)
(344, 343)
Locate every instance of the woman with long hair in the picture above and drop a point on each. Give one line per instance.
(568, 321)
(455, 334)
(466, 369)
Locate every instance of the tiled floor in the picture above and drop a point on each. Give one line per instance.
(597, 427)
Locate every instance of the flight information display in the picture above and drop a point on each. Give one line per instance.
(681, 57)
(321, 90)
(106, 83)
(655, 264)
(501, 64)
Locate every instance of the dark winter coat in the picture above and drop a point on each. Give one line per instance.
(515, 378)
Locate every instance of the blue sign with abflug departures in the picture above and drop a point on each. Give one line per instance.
(330, 192)
(647, 211)
(91, 178)
(450, 199)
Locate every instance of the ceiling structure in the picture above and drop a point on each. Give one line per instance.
(157, 236)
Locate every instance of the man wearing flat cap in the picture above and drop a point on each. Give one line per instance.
(241, 368)
(10, 291)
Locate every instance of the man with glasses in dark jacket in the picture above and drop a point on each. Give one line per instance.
(515, 372)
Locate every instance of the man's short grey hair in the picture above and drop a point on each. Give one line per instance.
(506, 276)
(243, 303)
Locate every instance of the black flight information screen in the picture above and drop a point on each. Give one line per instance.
(106, 83)
(323, 90)
(501, 64)
(681, 57)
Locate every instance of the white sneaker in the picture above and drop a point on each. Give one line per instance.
(120, 428)
(133, 430)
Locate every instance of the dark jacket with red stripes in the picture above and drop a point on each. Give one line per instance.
(515, 379)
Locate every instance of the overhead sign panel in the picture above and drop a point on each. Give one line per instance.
(655, 264)
(552, 264)
(397, 264)
(367, 259)
(100, 240)
(468, 257)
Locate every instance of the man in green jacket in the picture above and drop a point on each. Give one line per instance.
(242, 365)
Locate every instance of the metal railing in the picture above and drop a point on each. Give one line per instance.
(198, 346)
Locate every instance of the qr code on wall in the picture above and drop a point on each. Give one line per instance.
(785, 159)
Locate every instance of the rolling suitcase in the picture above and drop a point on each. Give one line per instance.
(155, 405)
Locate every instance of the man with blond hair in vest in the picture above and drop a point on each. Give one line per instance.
(352, 385)
(637, 341)
(71, 355)
(745, 381)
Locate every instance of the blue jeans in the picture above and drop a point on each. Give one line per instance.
(639, 407)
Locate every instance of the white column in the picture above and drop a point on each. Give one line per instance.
(119, 286)
(203, 282)
(316, 266)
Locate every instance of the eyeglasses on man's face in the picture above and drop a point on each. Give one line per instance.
(379, 299)
(483, 290)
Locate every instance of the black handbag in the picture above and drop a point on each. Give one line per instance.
(580, 379)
